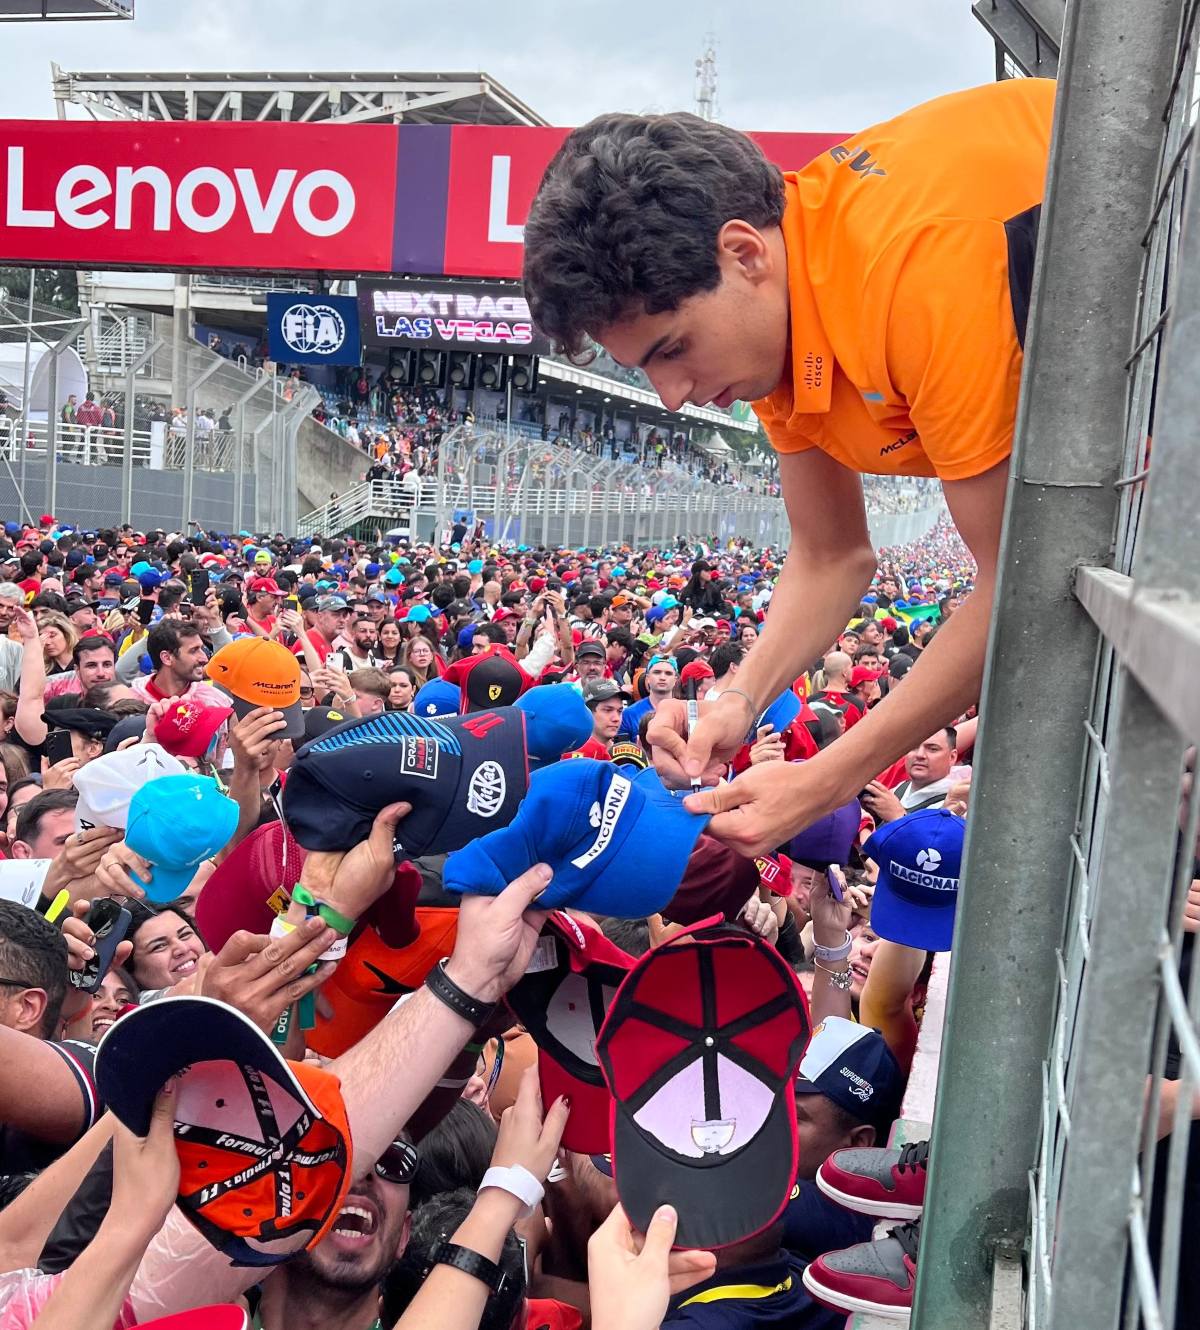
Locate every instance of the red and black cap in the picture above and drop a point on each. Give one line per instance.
(463, 776)
(562, 1000)
(699, 1050)
(494, 681)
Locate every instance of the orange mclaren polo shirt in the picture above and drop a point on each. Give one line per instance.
(909, 259)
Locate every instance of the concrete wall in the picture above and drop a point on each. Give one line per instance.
(325, 463)
(91, 496)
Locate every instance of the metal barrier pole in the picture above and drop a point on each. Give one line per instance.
(240, 461)
(1116, 69)
(52, 415)
(127, 445)
(25, 382)
(189, 465)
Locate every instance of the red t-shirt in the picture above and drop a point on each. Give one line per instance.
(592, 748)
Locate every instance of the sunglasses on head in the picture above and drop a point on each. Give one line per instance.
(398, 1163)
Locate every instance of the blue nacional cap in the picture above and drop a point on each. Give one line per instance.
(919, 858)
(436, 698)
(617, 844)
(852, 1065)
(176, 822)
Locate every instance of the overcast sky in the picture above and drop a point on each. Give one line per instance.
(783, 64)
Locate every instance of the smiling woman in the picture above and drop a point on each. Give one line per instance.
(166, 945)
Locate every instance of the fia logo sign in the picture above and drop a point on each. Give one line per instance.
(313, 329)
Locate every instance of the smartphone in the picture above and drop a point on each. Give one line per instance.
(145, 611)
(109, 923)
(292, 602)
(200, 582)
(58, 746)
(186, 607)
(835, 887)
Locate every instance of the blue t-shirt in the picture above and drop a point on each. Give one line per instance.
(769, 1293)
(631, 718)
(813, 1224)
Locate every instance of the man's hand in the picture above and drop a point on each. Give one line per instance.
(207, 617)
(767, 746)
(25, 624)
(292, 620)
(255, 739)
(75, 865)
(764, 806)
(496, 936)
(157, 711)
(60, 775)
(262, 976)
(881, 803)
(113, 872)
(631, 1278)
(352, 881)
(719, 733)
(758, 916)
(146, 1169)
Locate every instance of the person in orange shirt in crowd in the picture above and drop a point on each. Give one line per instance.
(873, 308)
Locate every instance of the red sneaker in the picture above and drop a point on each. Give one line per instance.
(888, 1183)
(876, 1277)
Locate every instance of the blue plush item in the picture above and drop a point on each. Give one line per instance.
(175, 823)
(436, 698)
(557, 720)
(617, 844)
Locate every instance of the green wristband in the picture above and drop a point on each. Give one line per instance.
(340, 923)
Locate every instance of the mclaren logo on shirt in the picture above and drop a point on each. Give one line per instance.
(861, 161)
(902, 442)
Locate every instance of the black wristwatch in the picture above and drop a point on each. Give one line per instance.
(462, 1004)
(470, 1263)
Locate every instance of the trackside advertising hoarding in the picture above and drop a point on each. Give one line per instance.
(332, 199)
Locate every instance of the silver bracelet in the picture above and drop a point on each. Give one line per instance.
(830, 954)
(741, 693)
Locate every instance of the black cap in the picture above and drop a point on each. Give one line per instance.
(93, 722)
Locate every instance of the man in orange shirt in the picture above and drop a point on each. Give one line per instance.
(873, 308)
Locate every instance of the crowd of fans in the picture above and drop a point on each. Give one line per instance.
(241, 838)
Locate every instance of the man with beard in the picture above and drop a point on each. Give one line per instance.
(336, 1285)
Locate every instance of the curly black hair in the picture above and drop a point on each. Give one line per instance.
(627, 217)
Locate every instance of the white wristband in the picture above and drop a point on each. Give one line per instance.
(336, 950)
(518, 1181)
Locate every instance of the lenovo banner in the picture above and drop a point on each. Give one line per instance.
(240, 195)
(471, 316)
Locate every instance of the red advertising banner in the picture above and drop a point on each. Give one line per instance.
(177, 196)
(331, 199)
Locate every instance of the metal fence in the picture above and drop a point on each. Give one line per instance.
(1071, 1013)
(140, 364)
(534, 492)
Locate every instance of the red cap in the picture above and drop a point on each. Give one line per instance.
(258, 585)
(717, 880)
(695, 670)
(860, 674)
(561, 1000)
(503, 613)
(188, 727)
(889, 624)
(537, 585)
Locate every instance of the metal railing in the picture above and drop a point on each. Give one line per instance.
(1071, 1016)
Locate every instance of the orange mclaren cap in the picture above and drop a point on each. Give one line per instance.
(263, 1144)
(259, 673)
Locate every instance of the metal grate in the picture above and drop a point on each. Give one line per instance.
(1067, 1019)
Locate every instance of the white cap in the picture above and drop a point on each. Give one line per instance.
(108, 783)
